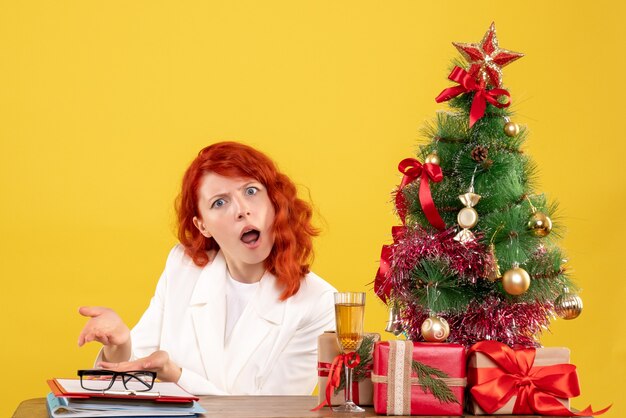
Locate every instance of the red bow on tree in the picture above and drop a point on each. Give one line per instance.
(537, 388)
(467, 83)
(382, 283)
(412, 169)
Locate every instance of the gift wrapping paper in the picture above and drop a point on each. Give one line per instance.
(327, 350)
(543, 357)
(397, 390)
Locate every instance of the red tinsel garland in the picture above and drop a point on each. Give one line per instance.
(493, 318)
(513, 324)
(469, 260)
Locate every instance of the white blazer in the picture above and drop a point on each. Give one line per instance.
(273, 349)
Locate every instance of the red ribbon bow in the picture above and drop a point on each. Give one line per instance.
(350, 360)
(467, 83)
(537, 388)
(382, 282)
(412, 169)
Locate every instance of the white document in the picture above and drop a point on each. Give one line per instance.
(159, 388)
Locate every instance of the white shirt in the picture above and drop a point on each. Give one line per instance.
(238, 294)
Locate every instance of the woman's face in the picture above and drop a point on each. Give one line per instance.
(238, 214)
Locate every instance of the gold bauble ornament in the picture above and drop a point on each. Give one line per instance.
(515, 281)
(511, 129)
(432, 158)
(435, 329)
(568, 305)
(540, 224)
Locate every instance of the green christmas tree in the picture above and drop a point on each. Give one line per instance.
(477, 254)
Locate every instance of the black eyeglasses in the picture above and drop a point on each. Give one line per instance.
(101, 380)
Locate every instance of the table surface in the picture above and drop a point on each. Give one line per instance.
(240, 407)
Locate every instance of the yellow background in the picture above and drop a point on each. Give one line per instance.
(103, 104)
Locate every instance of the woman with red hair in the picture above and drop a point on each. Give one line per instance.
(236, 310)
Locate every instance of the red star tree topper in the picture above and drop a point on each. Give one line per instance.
(486, 58)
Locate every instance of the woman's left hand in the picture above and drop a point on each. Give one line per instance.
(158, 362)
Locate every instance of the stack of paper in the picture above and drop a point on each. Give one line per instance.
(165, 399)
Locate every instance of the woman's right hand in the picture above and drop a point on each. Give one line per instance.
(104, 326)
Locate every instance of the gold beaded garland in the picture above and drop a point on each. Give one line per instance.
(515, 281)
(435, 329)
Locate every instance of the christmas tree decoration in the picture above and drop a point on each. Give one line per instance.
(432, 158)
(511, 129)
(435, 329)
(516, 280)
(467, 261)
(467, 217)
(479, 153)
(493, 273)
(568, 305)
(540, 224)
(412, 170)
(486, 58)
(499, 98)
(394, 324)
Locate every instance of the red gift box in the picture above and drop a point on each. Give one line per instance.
(398, 391)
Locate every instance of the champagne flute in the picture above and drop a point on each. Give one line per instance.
(349, 312)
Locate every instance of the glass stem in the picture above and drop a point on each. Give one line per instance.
(348, 385)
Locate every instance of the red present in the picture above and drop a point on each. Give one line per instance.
(327, 350)
(524, 381)
(398, 390)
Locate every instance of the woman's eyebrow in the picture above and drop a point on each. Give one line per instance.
(221, 194)
(254, 182)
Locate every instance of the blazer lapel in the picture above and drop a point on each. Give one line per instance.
(208, 310)
(263, 314)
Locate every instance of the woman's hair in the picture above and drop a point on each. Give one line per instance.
(293, 231)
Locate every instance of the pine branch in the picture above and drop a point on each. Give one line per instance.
(437, 286)
(360, 371)
(430, 381)
(365, 352)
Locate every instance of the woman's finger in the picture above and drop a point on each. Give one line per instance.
(81, 338)
(123, 366)
(88, 337)
(153, 362)
(90, 311)
(103, 339)
(86, 334)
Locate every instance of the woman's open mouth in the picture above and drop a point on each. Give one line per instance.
(250, 237)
